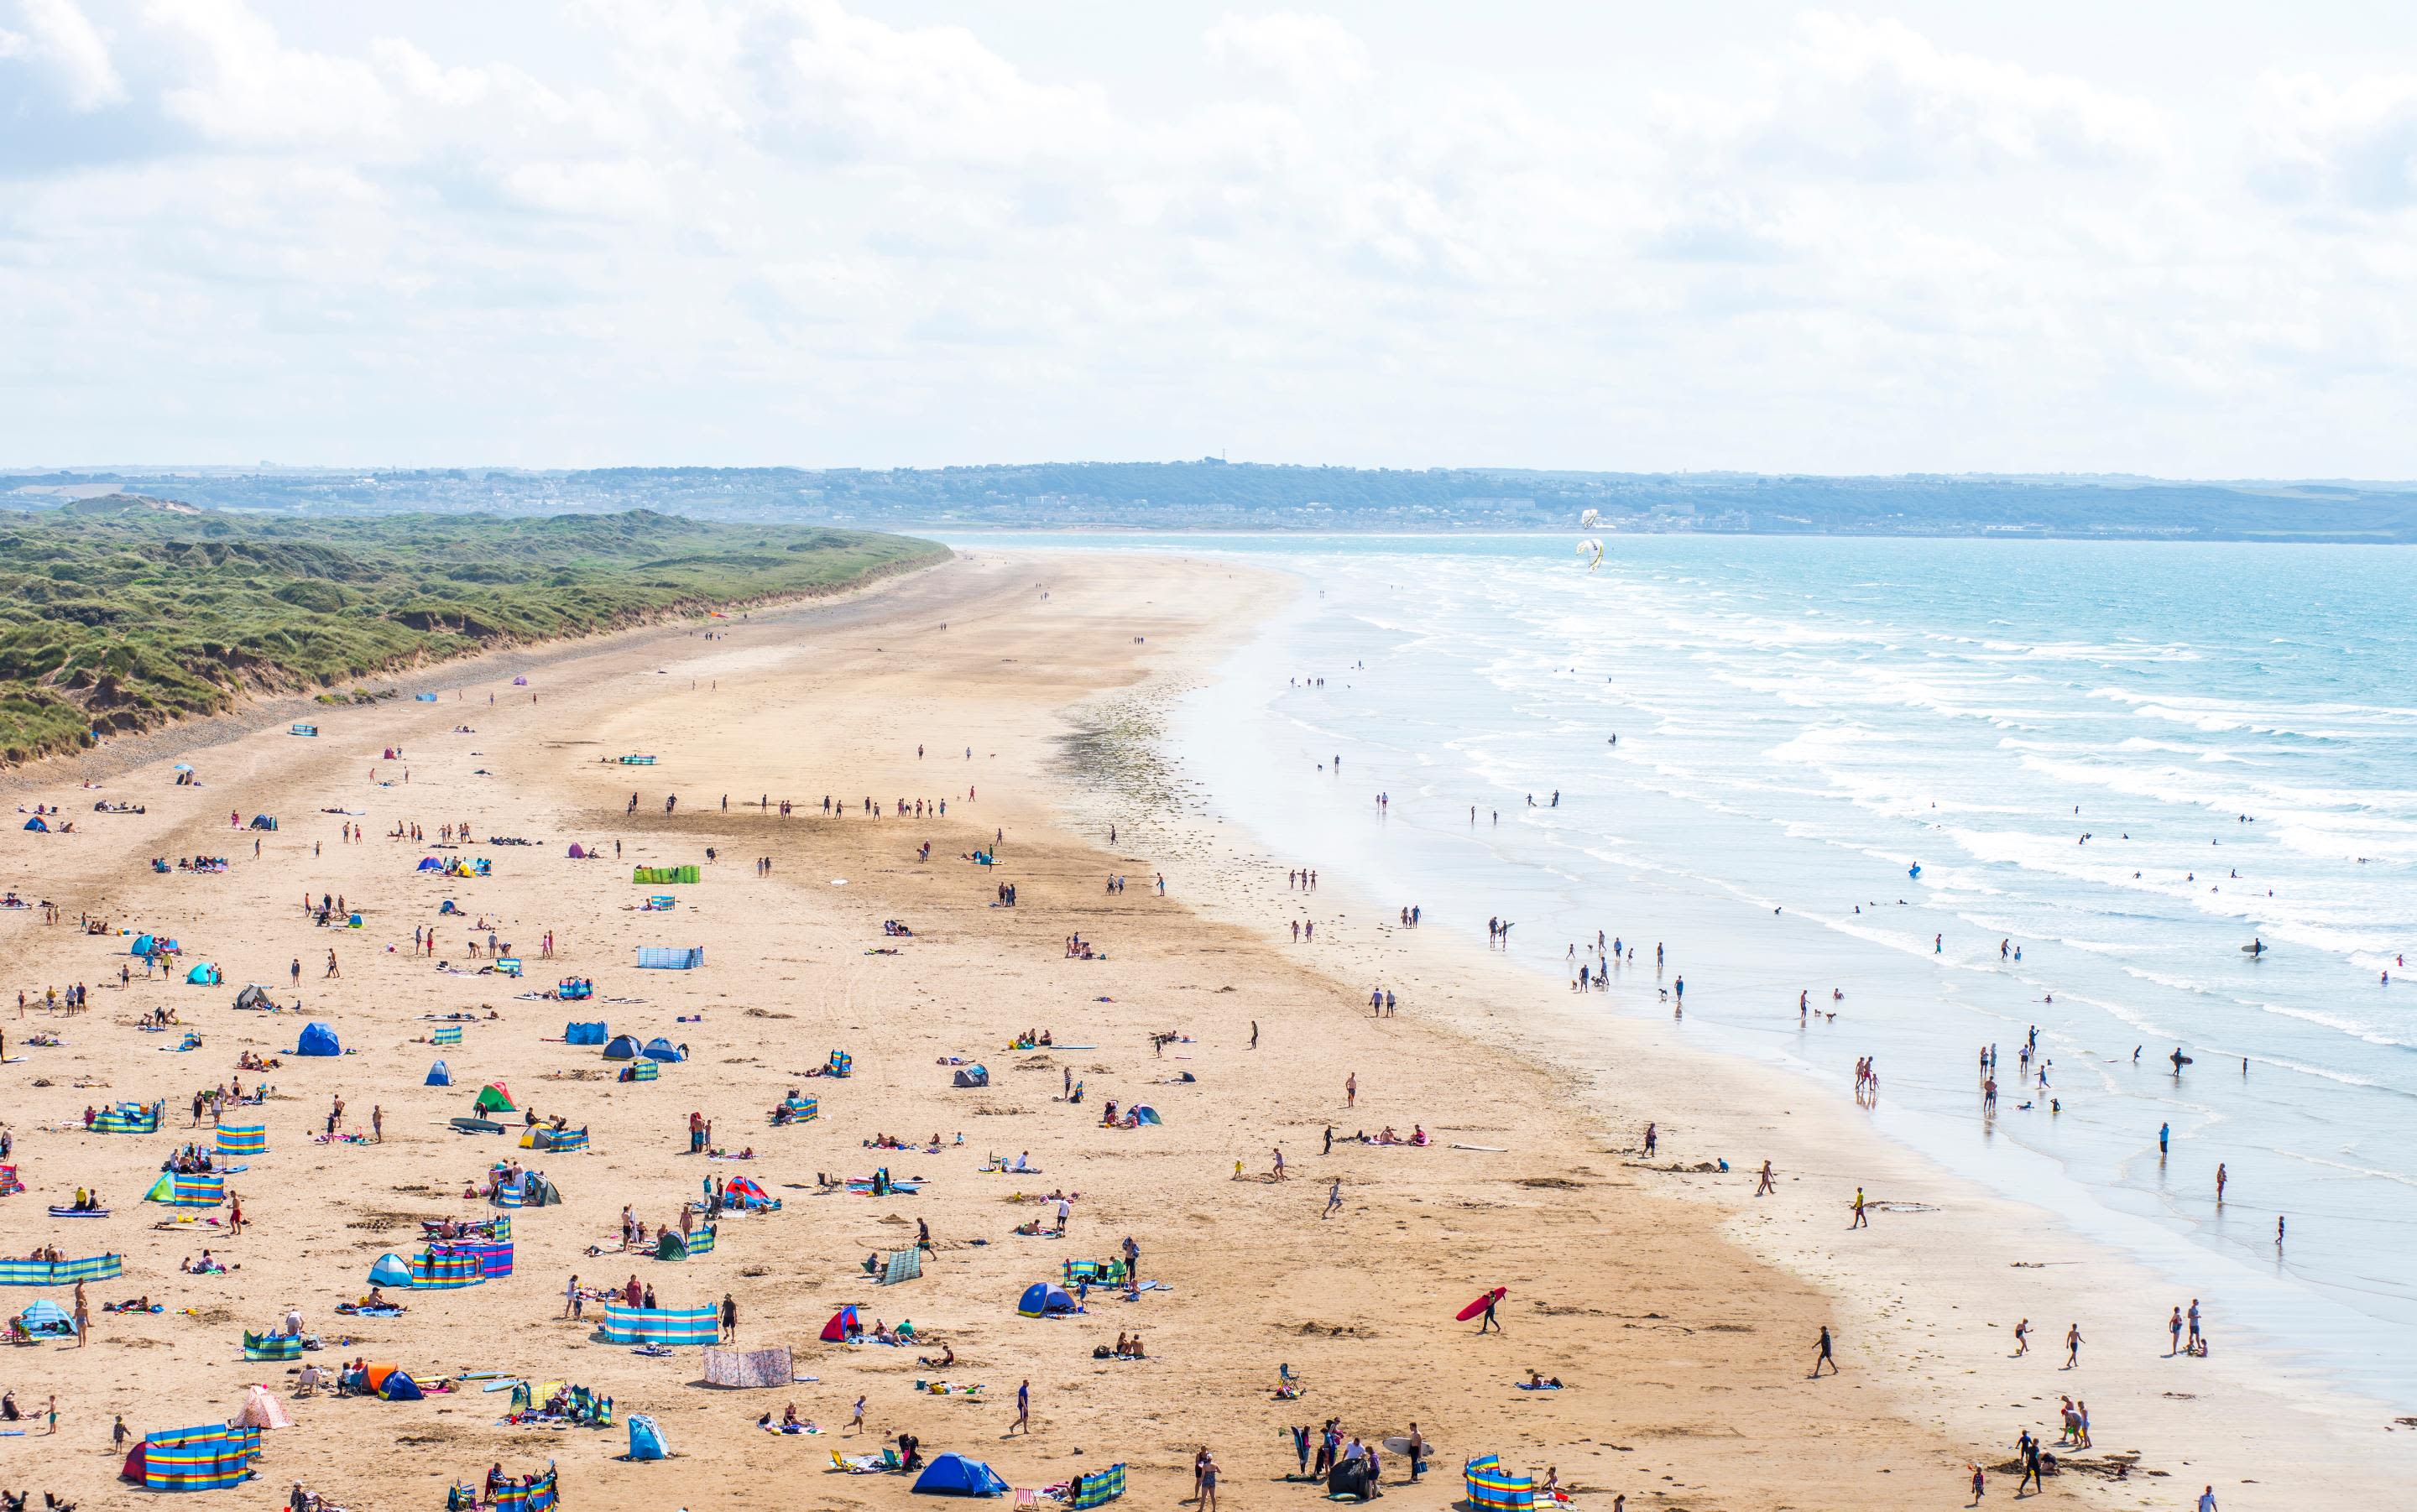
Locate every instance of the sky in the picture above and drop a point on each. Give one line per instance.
(2177, 240)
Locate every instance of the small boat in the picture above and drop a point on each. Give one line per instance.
(78, 1212)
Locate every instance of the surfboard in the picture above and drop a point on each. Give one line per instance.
(1478, 1305)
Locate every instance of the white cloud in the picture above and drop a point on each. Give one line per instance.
(1308, 53)
(844, 238)
(2351, 145)
(59, 34)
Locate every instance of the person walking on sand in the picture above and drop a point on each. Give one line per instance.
(333, 970)
(1862, 1220)
(1493, 1300)
(2174, 1334)
(1824, 1358)
(2022, 1339)
(1279, 1175)
(1767, 1187)
(1023, 1408)
(1208, 1484)
(377, 1123)
(729, 1318)
(2073, 1346)
(856, 1424)
(570, 1298)
(1351, 1090)
(1334, 1199)
(1979, 1484)
(2207, 1500)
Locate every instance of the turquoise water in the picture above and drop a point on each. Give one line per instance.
(1801, 721)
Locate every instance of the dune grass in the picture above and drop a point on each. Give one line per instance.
(121, 613)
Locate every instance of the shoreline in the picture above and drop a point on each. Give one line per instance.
(2307, 1421)
(1686, 1356)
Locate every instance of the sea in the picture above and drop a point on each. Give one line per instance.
(1956, 792)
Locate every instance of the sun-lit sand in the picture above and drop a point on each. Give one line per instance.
(1683, 1345)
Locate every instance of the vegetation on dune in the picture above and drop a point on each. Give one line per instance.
(116, 614)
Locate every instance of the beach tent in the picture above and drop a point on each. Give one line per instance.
(835, 1331)
(645, 1438)
(584, 1034)
(663, 957)
(578, 852)
(1043, 1300)
(670, 1246)
(142, 946)
(243, 1138)
(37, 825)
(953, 1474)
(1143, 1113)
(438, 1076)
(494, 1099)
(660, 1049)
(261, 1409)
(742, 1193)
(536, 1191)
(45, 1320)
(203, 974)
(318, 1039)
(660, 1325)
(623, 1048)
(398, 1387)
(264, 822)
(1492, 1489)
(973, 1076)
(390, 1270)
(429, 863)
(252, 996)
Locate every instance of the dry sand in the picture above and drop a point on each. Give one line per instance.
(1683, 1337)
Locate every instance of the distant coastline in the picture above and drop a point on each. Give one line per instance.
(1212, 496)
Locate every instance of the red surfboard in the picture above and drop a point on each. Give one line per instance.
(1480, 1305)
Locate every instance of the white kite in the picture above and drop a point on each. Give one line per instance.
(1590, 550)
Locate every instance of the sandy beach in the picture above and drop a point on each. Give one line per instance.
(1681, 1311)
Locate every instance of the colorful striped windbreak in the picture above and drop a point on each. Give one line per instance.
(243, 1138)
(128, 1118)
(186, 1190)
(510, 1194)
(1492, 1489)
(1101, 1488)
(66, 1272)
(449, 1035)
(437, 1270)
(660, 1325)
(206, 1459)
(644, 1071)
(494, 1260)
(700, 1243)
(271, 1346)
(536, 1496)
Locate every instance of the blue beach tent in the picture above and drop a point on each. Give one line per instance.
(390, 1270)
(660, 1049)
(1043, 1300)
(646, 1438)
(584, 1034)
(623, 1048)
(398, 1387)
(318, 1039)
(953, 1474)
(438, 1076)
